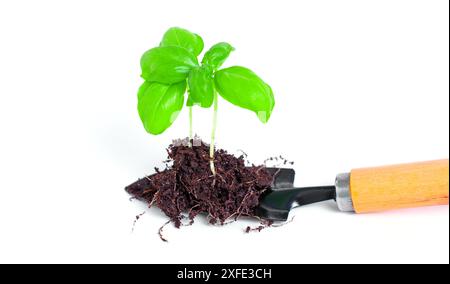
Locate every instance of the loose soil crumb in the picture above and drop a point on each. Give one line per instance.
(188, 186)
(264, 225)
(278, 161)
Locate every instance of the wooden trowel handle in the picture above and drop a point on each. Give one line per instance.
(400, 186)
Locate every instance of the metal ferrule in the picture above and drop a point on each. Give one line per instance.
(343, 195)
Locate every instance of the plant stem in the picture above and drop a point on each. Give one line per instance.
(213, 134)
(191, 136)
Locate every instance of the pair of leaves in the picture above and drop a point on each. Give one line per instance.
(238, 85)
(176, 55)
(172, 61)
(201, 79)
(165, 69)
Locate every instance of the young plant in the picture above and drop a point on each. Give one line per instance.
(172, 68)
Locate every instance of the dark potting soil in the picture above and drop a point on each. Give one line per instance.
(187, 187)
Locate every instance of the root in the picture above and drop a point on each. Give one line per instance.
(284, 223)
(161, 231)
(212, 166)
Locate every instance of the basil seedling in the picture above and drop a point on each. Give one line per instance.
(172, 68)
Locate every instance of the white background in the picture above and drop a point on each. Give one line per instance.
(357, 83)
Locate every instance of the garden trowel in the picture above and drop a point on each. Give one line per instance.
(362, 190)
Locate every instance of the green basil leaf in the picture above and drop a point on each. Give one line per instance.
(190, 102)
(241, 87)
(201, 87)
(217, 55)
(167, 65)
(183, 38)
(159, 105)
